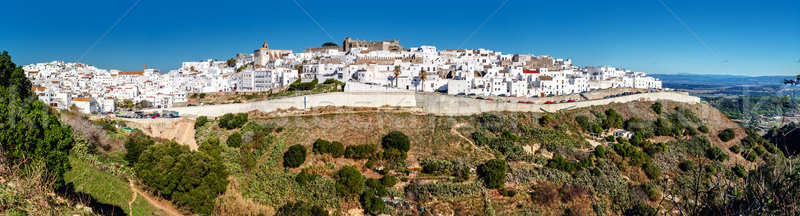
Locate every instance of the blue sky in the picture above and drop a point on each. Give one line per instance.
(719, 37)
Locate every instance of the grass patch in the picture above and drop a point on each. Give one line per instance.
(104, 187)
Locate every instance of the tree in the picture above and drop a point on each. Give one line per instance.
(329, 44)
(231, 62)
(422, 75)
(372, 204)
(190, 178)
(349, 181)
(493, 173)
(396, 140)
(30, 131)
(134, 146)
(295, 156)
(336, 149)
(234, 140)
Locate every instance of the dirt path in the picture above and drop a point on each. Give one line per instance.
(166, 208)
(454, 130)
(130, 203)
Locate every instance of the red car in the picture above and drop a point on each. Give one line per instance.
(571, 101)
(489, 99)
(548, 102)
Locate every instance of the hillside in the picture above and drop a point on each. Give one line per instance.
(555, 164)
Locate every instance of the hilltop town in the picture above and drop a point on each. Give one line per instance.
(364, 66)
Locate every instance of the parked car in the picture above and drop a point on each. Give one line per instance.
(571, 101)
(548, 102)
(479, 98)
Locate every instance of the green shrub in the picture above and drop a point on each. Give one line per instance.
(298, 85)
(545, 120)
(493, 173)
(760, 150)
(727, 135)
(612, 120)
(686, 165)
(372, 204)
(739, 171)
(304, 177)
(736, 149)
(370, 164)
(462, 174)
(301, 208)
(480, 138)
(234, 140)
(135, 145)
(716, 153)
(640, 209)
(231, 121)
(295, 156)
(651, 170)
(491, 122)
(558, 162)
(389, 180)
(657, 107)
(321, 146)
(396, 140)
(335, 149)
(438, 167)
(200, 121)
(507, 192)
(703, 129)
(349, 181)
(189, 178)
(600, 151)
(360, 151)
(752, 156)
(394, 155)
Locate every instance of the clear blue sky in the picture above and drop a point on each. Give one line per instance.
(732, 36)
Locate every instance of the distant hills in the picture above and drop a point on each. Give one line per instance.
(725, 84)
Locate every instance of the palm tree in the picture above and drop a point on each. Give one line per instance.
(422, 76)
(396, 74)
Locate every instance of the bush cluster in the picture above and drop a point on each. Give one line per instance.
(30, 130)
(612, 120)
(727, 135)
(349, 181)
(200, 121)
(295, 156)
(493, 173)
(335, 148)
(301, 208)
(364, 151)
(657, 107)
(558, 162)
(234, 140)
(190, 178)
(298, 85)
(135, 145)
(231, 121)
